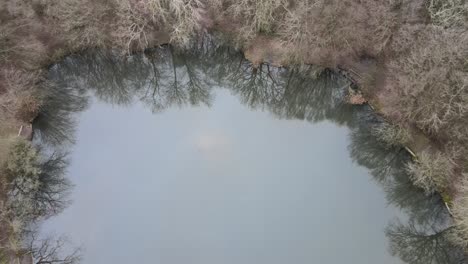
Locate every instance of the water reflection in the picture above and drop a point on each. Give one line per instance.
(55, 123)
(422, 245)
(164, 78)
(422, 236)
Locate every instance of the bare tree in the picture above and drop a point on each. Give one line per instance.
(392, 135)
(256, 16)
(81, 21)
(448, 13)
(431, 172)
(460, 213)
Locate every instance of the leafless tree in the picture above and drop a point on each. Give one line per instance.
(392, 135)
(431, 171)
(460, 213)
(448, 13)
(256, 15)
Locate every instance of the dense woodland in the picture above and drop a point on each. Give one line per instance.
(409, 59)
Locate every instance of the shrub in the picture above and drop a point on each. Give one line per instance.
(19, 44)
(460, 214)
(257, 16)
(3, 257)
(431, 172)
(22, 173)
(392, 135)
(28, 108)
(137, 22)
(432, 78)
(22, 177)
(186, 19)
(19, 100)
(80, 22)
(22, 167)
(131, 27)
(327, 32)
(6, 45)
(5, 144)
(448, 13)
(36, 188)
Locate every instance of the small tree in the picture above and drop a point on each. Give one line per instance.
(256, 16)
(36, 188)
(138, 20)
(448, 13)
(392, 135)
(22, 168)
(431, 172)
(460, 214)
(80, 22)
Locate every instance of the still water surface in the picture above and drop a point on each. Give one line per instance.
(182, 159)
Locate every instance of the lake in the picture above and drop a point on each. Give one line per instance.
(201, 158)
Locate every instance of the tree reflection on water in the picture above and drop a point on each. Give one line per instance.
(163, 78)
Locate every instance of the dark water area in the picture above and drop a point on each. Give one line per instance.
(200, 158)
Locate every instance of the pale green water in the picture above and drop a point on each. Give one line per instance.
(205, 160)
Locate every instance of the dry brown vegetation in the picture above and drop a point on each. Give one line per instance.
(410, 58)
(433, 88)
(460, 211)
(330, 32)
(448, 13)
(431, 172)
(392, 135)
